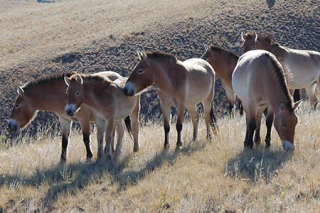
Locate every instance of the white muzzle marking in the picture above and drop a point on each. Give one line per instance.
(287, 146)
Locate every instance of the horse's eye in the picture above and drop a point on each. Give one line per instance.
(283, 125)
(17, 105)
(140, 71)
(78, 93)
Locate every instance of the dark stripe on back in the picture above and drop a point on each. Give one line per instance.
(44, 80)
(281, 80)
(161, 56)
(223, 51)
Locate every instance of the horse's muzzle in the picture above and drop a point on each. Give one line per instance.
(13, 126)
(70, 109)
(287, 146)
(129, 89)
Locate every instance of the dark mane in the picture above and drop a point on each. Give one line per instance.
(95, 78)
(281, 79)
(267, 39)
(44, 80)
(162, 56)
(224, 52)
(249, 35)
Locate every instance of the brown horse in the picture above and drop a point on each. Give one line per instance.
(49, 94)
(223, 63)
(303, 64)
(259, 81)
(107, 99)
(181, 84)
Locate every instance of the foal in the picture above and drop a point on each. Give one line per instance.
(107, 100)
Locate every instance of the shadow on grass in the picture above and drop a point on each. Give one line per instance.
(257, 164)
(69, 179)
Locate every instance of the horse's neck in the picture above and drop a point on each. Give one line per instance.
(48, 97)
(163, 76)
(225, 69)
(93, 90)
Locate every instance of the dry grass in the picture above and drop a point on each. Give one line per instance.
(217, 176)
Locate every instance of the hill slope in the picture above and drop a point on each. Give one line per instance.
(91, 36)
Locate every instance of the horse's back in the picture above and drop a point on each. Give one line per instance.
(110, 74)
(248, 74)
(200, 79)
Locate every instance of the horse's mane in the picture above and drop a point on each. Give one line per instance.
(223, 51)
(44, 80)
(90, 77)
(281, 79)
(249, 35)
(161, 56)
(267, 39)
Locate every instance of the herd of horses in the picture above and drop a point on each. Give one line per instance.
(262, 80)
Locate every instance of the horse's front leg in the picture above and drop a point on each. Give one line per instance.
(85, 127)
(65, 127)
(120, 134)
(269, 122)
(165, 109)
(135, 125)
(101, 126)
(109, 138)
(180, 117)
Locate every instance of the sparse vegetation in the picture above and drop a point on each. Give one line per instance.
(217, 176)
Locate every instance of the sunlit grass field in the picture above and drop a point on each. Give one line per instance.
(204, 176)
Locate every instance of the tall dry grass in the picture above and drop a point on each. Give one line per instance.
(216, 176)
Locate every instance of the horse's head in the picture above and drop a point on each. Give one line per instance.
(141, 76)
(22, 112)
(266, 42)
(249, 40)
(285, 121)
(74, 93)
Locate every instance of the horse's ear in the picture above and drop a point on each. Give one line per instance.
(79, 79)
(270, 36)
(66, 80)
(206, 47)
(20, 91)
(242, 37)
(282, 106)
(254, 35)
(296, 105)
(142, 56)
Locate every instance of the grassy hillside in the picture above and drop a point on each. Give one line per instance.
(218, 176)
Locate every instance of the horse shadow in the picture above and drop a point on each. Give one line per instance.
(69, 178)
(257, 164)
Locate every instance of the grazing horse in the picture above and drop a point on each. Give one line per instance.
(223, 63)
(107, 100)
(181, 84)
(259, 81)
(303, 64)
(49, 94)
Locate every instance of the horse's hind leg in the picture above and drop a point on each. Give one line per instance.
(251, 126)
(312, 95)
(65, 127)
(195, 121)
(257, 137)
(180, 118)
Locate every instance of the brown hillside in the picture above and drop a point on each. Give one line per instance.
(45, 38)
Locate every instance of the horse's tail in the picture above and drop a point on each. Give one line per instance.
(127, 122)
(213, 120)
